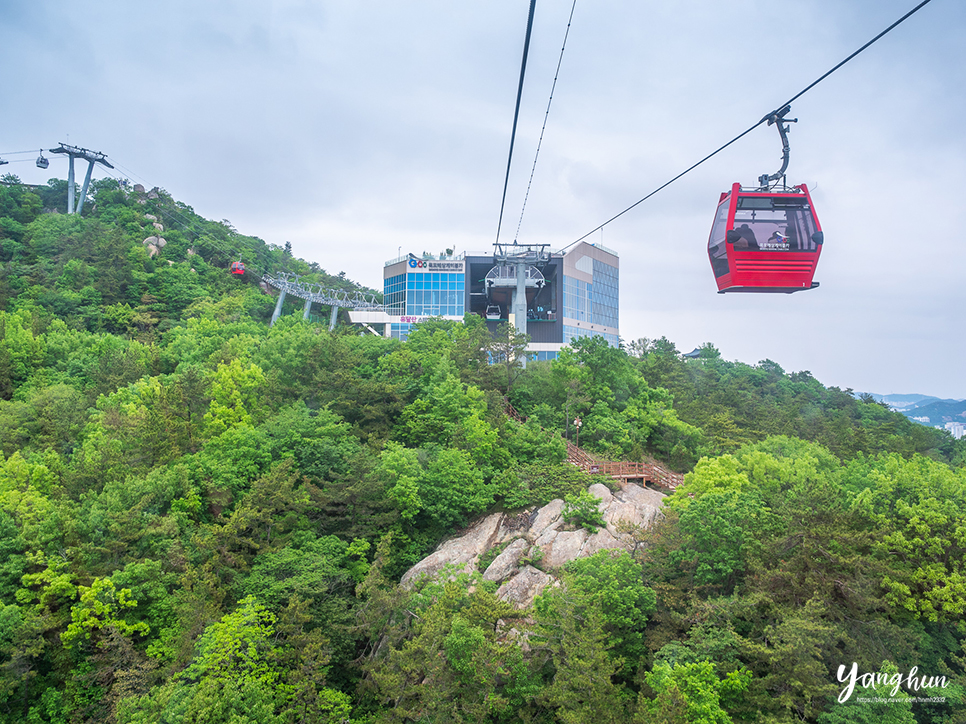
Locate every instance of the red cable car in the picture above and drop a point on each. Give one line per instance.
(237, 267)
(766, 239)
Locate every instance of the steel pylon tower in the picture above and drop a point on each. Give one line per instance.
(520, 257)
(91, 157)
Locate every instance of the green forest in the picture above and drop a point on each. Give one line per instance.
(205, 519)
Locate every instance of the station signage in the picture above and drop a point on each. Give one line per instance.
(417, 320)
(431, 265)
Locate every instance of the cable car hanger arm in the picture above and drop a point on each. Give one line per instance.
(778, 119)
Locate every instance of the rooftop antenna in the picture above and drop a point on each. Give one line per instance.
(92, 157)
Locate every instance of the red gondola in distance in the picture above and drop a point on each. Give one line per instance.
(765, 240)
(237, 267)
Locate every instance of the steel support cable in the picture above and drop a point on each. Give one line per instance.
(187, 225)
(764, 118)
(516, 115)
(546, 115)
(173, 210)
(129, 172)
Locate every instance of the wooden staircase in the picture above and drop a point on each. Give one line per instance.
(649, 471)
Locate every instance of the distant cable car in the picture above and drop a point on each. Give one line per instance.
(766, 239)
(41, 161)
(237, 268)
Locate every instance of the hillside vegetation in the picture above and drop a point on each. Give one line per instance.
(204, 519)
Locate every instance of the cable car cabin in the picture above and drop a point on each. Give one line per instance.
(765, 241)
(237, 267)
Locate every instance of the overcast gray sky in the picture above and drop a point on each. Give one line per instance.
(355, 128)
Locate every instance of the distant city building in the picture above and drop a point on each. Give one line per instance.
(573, 294)
(958, 429)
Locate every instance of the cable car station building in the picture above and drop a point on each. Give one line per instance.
(567, 295)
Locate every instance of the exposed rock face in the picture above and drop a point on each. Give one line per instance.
(524, 587)
(507, 562)
(154, 245)
(466, 549)
(542, 535)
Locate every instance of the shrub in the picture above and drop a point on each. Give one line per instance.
(582, 509)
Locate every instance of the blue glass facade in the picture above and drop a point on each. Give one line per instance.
(400, 331)
(545, 356)
(593, 303)
(604, 302)
(394, 294)
(572, 333)
(434, 294)
(425, 295)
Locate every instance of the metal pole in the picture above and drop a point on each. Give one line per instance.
(520, 304)
(333, 316)
(70, 186)
(305, 311)
(87, 182)
(278, 307)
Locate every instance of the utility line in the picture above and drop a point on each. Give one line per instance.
(764, 118)
(516, 115)
(545, 117)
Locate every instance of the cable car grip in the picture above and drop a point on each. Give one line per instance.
(778, 119)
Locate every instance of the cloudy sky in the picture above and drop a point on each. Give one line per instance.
(356, 129)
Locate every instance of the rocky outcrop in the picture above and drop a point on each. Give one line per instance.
(506, 564)
(526, 585)
(466, 549)
(154, 244)
(540, 537)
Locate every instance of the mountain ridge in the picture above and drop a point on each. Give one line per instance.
(924, 409)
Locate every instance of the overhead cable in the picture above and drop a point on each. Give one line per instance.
(545, 117)
(763, 119)
(516, 115)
